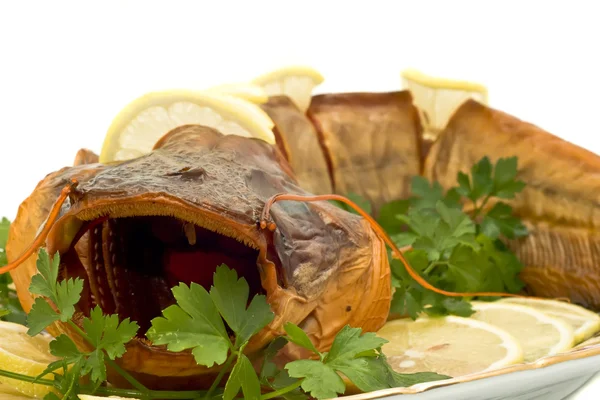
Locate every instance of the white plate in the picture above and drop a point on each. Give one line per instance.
(550, 378)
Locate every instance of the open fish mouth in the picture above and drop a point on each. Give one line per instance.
(129, 264)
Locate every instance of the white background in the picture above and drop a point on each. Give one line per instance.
(67, 68)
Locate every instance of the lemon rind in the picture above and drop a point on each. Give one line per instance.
(434, 82)
(167, 97)
(567, 334)
(584, 332)
(292, 70)
(246, 91)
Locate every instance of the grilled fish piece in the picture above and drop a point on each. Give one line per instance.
(559, 204)
(372, 141)
(298, 139)
(134, 229)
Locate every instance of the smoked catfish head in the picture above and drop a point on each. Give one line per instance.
(134, 229)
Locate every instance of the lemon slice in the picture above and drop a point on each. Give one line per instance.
(296, 82)
(585, 323)
(26, 355)
(144, 121)
(438, 98)
(539, 334)
(7, 393)
(452, 346)
(246, 91)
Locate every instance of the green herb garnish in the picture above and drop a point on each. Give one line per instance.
(216, 325)
(456, 249)
(104, 333)
(456, 238)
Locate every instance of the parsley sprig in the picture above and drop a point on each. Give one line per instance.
(355, 355)
(104, 333)
(216, 326)
(456, 239)
(197, 322)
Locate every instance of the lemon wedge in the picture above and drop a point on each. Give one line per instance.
(25, 355)
(438, 98)
(136, 129)
(451, 345)
(538, 334)
(585, 323)
(296, 82)
(246, 91)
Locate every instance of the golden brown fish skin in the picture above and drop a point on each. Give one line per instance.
(322, 268)
(372, 140)
(30, 217)
(298, 139)
(559, 203)
(561, 261)
(85, 156)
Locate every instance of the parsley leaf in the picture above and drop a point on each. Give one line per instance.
(455, 250)
(283, 380)
(490, 181)
(268, 368)
(94, 364)
(230, 296)
(296, 335)
(63, 294)
(257, 316)
(193, 323)
(480, 184)
(40, 317)
(505, 173)
(349, 343)
(196, 321)
(320, 380)
(458, 306)
(499, 220)
(441, 230)
(107, 333)
(426, 195)
(387, 215)
(65, 348)
(242, 377)
(45, 282)
(276, 378)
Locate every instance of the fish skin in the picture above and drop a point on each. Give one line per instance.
(373, 143)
